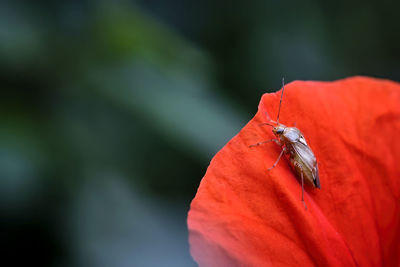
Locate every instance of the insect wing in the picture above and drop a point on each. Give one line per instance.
(316, 175)
(308, 158)
(305, 154)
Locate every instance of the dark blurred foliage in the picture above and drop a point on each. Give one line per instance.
(111, 110)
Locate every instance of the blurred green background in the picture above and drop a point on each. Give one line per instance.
(112, 110)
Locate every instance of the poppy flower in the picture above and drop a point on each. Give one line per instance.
(245, 215)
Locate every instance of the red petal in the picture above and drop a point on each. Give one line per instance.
(244, 215)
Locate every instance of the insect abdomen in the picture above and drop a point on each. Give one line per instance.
(301, 157)
(307, 173)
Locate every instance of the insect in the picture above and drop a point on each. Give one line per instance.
(295, 147)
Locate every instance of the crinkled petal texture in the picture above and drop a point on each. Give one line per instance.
(244, 215)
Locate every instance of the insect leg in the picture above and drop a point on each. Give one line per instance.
(264, 142)
(276, 162)
(302, 185)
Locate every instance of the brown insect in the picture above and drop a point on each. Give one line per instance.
(295, 147)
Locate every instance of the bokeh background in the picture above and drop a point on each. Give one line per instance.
(112, 110)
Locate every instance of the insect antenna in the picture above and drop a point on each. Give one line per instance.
(269, 118)
(280, 102)
(266, 123)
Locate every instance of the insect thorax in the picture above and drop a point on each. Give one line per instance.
(291, 134)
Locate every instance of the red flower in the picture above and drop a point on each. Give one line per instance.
(244, 215)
